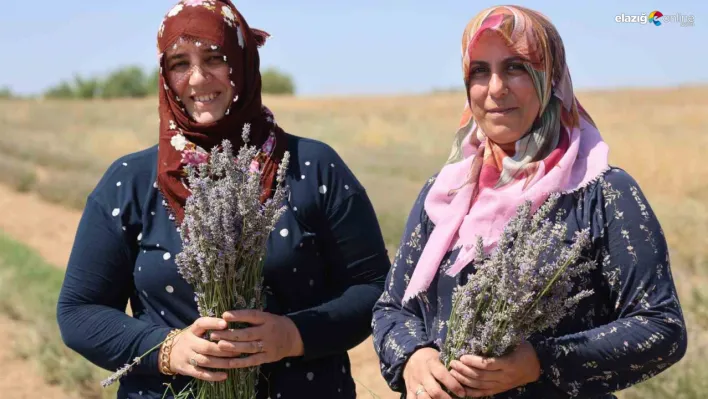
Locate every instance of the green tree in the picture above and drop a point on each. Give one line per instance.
(134, 82)
(6, 92)
(125, 82)
(86, 88)
(152, 82)
(276, 82)
(63, 91)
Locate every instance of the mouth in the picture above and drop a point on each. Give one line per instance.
(205, 99)
(501, 111)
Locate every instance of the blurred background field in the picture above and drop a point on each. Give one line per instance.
(54, 151)
(379, 82)
(59, 149)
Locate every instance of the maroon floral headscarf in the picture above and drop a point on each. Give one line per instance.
(215, 23)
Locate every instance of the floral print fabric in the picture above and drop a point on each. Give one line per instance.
(629, 330)
(218, 24)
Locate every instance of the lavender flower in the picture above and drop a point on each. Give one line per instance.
(522, 288)
(120, 373)
(224, 233)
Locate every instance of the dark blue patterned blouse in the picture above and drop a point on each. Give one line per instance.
(325, 267)
(629, 330)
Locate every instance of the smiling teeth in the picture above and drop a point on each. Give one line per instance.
(205, 98)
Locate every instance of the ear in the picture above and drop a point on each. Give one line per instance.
(260, 36)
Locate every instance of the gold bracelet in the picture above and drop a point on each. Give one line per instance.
(166, 351)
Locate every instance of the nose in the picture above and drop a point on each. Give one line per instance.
(497, 85)
(197, 76)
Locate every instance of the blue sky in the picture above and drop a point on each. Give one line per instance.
(353, 47)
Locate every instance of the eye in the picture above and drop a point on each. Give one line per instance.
(216, 59)
(179, 66)
(478, 70)
(516, 67)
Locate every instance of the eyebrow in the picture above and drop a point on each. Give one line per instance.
(181, 55)
(211, 51)
(176, 57)
(514, 58)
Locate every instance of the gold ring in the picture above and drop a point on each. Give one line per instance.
(420, 390)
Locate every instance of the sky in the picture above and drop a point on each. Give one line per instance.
(356, 47)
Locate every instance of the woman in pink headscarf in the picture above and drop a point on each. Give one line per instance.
(523, 135)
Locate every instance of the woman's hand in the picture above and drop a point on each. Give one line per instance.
(191, 354)
(423, 374)
(490, 376)
(270, 338)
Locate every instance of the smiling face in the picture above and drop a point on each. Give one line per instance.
(503, 99)
(199, 75)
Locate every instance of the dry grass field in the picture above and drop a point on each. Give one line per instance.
(59, 149)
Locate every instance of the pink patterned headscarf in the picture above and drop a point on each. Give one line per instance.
(481, 186)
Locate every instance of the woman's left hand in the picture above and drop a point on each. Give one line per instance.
(270, 338)
(490, 376)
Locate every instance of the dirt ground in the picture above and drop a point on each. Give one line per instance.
(49, 229)
(20, 378)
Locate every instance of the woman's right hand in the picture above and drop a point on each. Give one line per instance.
(424, 373)
(190, 346)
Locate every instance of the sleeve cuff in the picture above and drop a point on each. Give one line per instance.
(545, 356)
(150, 363)
(313, 343)
(395, 380)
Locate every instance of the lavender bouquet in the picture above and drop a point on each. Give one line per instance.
(224, 235)
(524, 287)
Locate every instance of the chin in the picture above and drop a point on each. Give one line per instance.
(207, 117)
(502, 134)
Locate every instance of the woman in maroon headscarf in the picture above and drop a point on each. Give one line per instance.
(326, 259)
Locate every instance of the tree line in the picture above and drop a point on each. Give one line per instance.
(135, 82)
